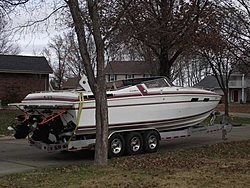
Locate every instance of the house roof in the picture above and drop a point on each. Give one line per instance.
(129, 67)
(208, 82)
(72, 83)
(24, 64)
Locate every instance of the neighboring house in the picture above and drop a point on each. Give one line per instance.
(120, 70)
(21, 75)
(72, 83)
(239, 87)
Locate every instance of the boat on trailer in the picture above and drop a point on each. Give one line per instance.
(138, 104)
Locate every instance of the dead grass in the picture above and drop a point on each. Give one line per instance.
(221, 165)
(7, 118)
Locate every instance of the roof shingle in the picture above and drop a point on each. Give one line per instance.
(129, 67)
(72, 83)
(208, 82)
(24, 64)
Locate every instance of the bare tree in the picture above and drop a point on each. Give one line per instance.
(6, 45)
(74, 60)
(58, 46)
(215, 43)
(97, 84)
(97, 20)
(222, 67)
(67, 62)
(7, 6)
(239, 25)
(96, 12)
(166, 27)
(189, 69)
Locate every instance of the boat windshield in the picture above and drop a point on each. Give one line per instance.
(157, 83)
(150, 82)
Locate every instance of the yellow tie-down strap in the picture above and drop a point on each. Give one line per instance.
(81, 101)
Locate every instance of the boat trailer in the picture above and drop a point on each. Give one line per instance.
(76, 145)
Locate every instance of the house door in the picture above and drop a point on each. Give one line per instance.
(236, 96)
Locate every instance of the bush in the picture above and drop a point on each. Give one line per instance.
(10, 98)
(4, 102)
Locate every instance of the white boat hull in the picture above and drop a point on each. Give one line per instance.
(163, 112)
(138, 107)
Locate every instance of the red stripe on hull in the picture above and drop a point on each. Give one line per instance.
(140, 87)
(174, 102)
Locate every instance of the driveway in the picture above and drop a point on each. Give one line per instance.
(18, 156)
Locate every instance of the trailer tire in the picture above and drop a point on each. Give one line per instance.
(151, 141)
(134, 143)
(116, 146)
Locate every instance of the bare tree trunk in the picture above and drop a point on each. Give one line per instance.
(226, 103)
(101, 146)
(98, 84)
(224, 86)
(166, 62)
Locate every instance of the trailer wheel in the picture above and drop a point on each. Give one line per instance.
(151, 141)
(134, 143)
(116, 145)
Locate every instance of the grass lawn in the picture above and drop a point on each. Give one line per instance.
(7, 118)
(231, 120)
(222, 165)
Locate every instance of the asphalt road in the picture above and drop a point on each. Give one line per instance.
(18, 156)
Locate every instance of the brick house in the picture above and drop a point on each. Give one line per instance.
(21, 75)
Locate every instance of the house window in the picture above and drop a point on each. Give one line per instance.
(112, 77)
(129, 76)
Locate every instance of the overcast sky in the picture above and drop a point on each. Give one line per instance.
(35, 39)
(30, 45)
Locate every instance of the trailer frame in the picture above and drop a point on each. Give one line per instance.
(76, 145)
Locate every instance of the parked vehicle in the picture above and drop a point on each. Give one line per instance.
(142, 111)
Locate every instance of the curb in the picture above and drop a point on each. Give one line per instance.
(3, 137)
